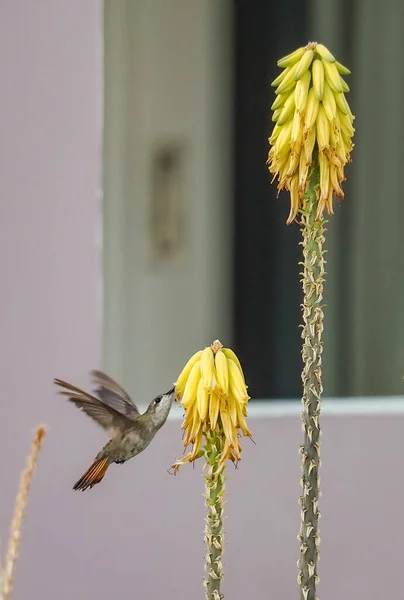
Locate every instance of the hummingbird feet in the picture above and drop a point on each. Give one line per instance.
(120, 462)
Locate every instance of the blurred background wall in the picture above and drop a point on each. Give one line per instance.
(365, 350)
(137, 224)
(167, 185)
(194, 83)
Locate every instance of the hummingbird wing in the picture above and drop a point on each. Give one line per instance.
(110, 419)
(114, 395)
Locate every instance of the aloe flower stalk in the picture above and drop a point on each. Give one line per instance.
(214, 533)
(310, 145)
(211, 388)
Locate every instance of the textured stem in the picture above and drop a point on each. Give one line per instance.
(313, 276)
(214, 487)
(20, 506)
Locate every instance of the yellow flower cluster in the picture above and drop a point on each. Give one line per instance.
(212, 390)
(313, 122)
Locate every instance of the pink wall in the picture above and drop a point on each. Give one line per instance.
(49, 259)
(139, 534)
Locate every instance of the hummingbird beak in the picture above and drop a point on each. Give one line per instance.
(170, 391)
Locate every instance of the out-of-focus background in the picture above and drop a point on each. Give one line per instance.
(137, 224)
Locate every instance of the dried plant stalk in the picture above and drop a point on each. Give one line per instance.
(19, 511)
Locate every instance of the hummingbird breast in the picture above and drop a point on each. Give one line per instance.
(126, 446)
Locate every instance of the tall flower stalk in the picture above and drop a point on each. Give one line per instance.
(214, 534)
(211, 388)
(310, 145)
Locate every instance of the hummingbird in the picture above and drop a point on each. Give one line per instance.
(113, 409)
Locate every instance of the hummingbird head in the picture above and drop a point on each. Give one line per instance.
(159, 408)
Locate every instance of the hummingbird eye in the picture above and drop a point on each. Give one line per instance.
(157, 400)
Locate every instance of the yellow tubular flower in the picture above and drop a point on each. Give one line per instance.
(191, 386)
(313, 125)
(230, 354)
(279, 101)
(213, 393)
(323, 129)
(302, 90)
(202, 400)
(330, 103)
(237, 384)
(214, 405)
(291, 59)
(309, 143)
(181, 381)
(208, 369)
(222, 372)
(303, 64)
(318, 79)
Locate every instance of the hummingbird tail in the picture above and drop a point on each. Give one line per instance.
(93, 475)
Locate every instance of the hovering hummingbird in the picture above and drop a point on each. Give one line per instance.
(114, 410)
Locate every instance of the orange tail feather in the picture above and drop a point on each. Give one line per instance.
(93, 475)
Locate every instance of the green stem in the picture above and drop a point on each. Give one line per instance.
(214, 539)
(313, 276)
